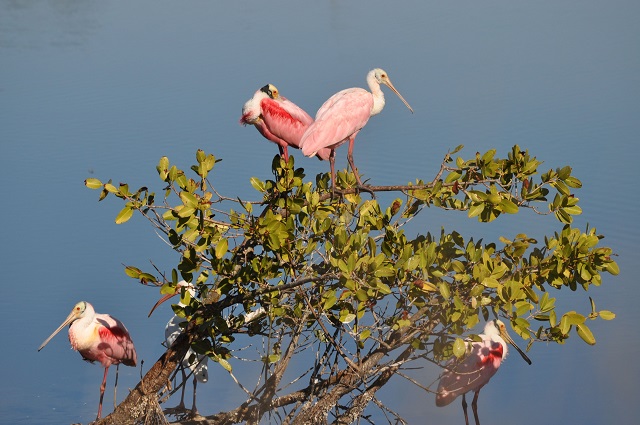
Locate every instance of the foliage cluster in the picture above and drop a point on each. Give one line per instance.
(340, 274)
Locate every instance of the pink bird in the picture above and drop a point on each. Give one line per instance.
(278, 120)
(98, 337)
(342, 116)
(474, 371)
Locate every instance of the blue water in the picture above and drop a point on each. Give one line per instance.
(104, 89)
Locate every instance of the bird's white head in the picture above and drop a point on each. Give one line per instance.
(379, 76)
(188, 293)
(251, 112)
(80, 310)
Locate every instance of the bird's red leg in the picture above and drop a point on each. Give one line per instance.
(362, 187)
(332, 160)
(284, 152)
(102, 387)
(474, 405)
(464, 408)
(352, 138)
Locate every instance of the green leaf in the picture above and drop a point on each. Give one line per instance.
(185, 211)
(585, 333)
(521, 326)
(221, 248)
(330, 301)
(93, 183)
(606, 315)
(383, 288)
(459, 348)
(124, 215)
(110, 188)
(475, 210)
(225, 364)
(189, 199)
(574, 318)
(257, 184)
(272, 358)
(457, 149)
(488, 156)
(103, 194)
(163, 168)
(132, 271)
(168, 288)
(453, 176)
(444, 289)
(573, 182)
(365, 334)
(507, 206)
(574, 210)
(612, 268)
(346, 317)
(563, 217)
(491, 282)
(546, 303)
(564, 172)
(385, 271)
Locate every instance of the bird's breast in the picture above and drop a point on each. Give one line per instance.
(82, 338)
(493, 356)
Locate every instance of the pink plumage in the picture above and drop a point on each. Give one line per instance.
(98, 337)
(476, 368)
(343, 115)
(338, 119)
(278, 120)
(471, 374)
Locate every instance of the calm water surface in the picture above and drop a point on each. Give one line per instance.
(104, 89)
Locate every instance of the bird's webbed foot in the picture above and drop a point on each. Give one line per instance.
(180, 412)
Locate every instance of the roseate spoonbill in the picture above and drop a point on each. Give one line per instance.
(197, 363)
(98, 337)
(474, 371)
(343, 115)
(278, 120)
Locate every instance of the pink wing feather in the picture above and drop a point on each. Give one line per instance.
(470, 373)
(285, 120)
(115, 344)
(342, 115)
(296, 111)
(279, 121)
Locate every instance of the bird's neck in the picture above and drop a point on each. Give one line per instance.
(80, 334)
(378, 102)
(376, 92)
